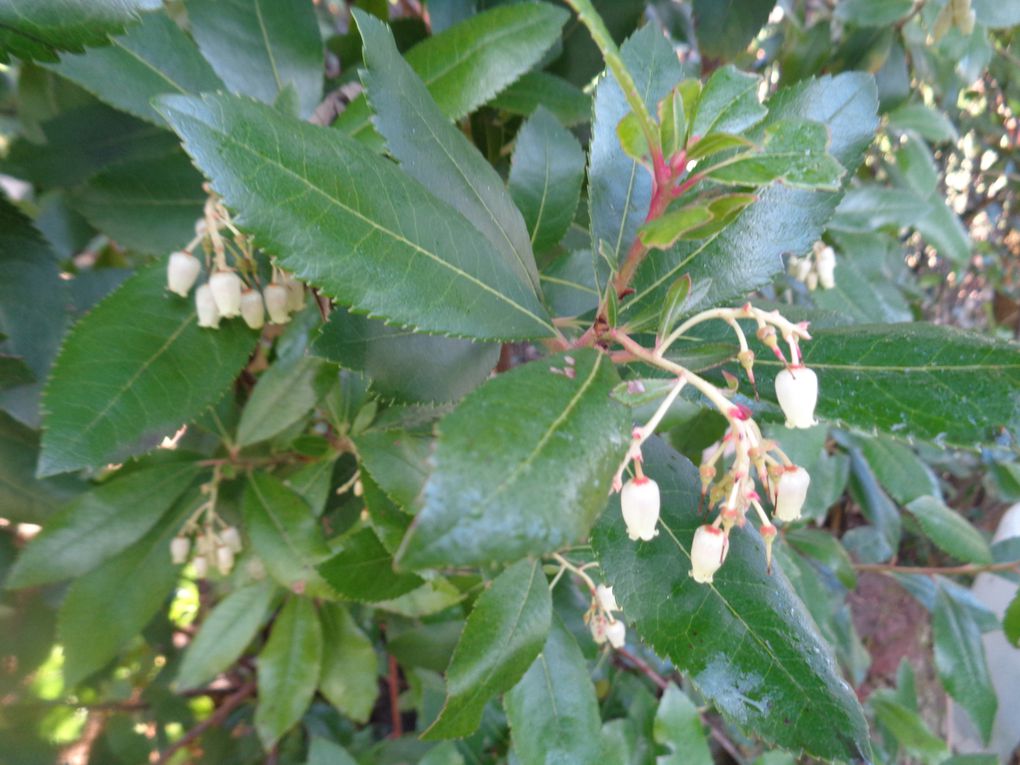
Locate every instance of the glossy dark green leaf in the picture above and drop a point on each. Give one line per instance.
(398, 460)
(747, 254)
(570, 105)
(101, 523)
(25, 498)
(960, 661)
(726, 29)
(436, 153)
(552, 711)
(402, 364)
(152, 58)
(678, 727)
(920, 380)
(353, 224)
(284, 394)
(284, 533)
(363, 571)
(14, 372)
(776, 677)
(34, 303)
(728, 103)
(504, 486)
(36, 29)
(110, 605)
(1011, 621)
(950, 531)
(619, 189)
(132, 372)
(569, 284)
(900, 471)
(225, 633)
(466, 65)
(260, 47)
(546, 172)
(288, 670)
(349, 664)
(506, 630)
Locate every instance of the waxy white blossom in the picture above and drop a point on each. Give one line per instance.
(205, 305)
(182, 272)
(616, 633)
(708, 551)
(226, 291)
(639, 501)
(606, 599)
(825, 263)
(275, 295)
(179, 549)
(791, 492)
(253, 311)
(797, 391)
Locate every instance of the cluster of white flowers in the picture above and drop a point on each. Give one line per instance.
(604, 626)
(210, 547)
(815, 270)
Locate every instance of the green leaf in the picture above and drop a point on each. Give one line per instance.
(907, 727)
(434, 152)
(715, 143)
(826, 549)
(546, 173)
(349, 664)
(746, 254)
(663, 231)
(260, 47)
(36, 29)
(960, 661)
(353, 224)
(148, 205)
(25, 498)
(288, 670)
(466, 65)
(504, 486)
(284, 533)
(152, 58)
(506, 630)
(398, 460)
(926, 121)
(83, 141)
(776, 676)
(568, 104)
(950, 531)
(284, 394)
(901, 472)
(629, 132)
(879, 376)
(404, 365)
(1011, 622)
(226, 632)
(101, 523)
(725, 29)
(794, 153)
(873, 13)
(552, 711)
(132, 372)
(110, 605)
(728, 103)
(363, 571)
(620, 189)
(678, 727)
(673, 305)
(33, 308)
(324, 752)
(996, 15)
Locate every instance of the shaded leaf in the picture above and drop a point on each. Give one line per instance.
(926, 121)
(567, 103)
(907, 727)
(398, 460)
(25, 498)
(349, 664)
(284, 394)
(950, 531)
(678, 727)
(728, 103)
(726, 29)
(363, 571)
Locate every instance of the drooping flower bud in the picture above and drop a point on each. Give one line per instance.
(201, 564)
(708, 551)
(252, 309)
(275, 295)
(181, 272)
(606, 599)
(797, 391)
(616, 633)
(231, 538)
(179, 549)
(295, 293)
(791, 492)
(226, 291)
(768, 535)
(639, 501)
(224, 559)
(598, 625)
(208, 313)
(825, 262)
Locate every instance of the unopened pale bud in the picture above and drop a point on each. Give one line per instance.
(182, 272)
(224, 559)
(231, 538)
(179, 549)
(606, 599)
(598, 625)
(201, 564)
(639, 501)
(226, 290)
(803, 271)
(826, 265)
(276, 303)
(708, 551)
(791, 493)
(616, 634)
(797, 391)
(253, 311)
(812, 281)
(205, 305)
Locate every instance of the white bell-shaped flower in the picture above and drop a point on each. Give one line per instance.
(598, 625)
(201, 564)
(797, 391)
(231, 538)
(616, 633)
(179, 549)
(708, 551)
(182, 272)
(606, 599)
(791, 492)
(253, 311)
(275, 295)
(825, 263)
(226, 290)
(639, 501)
(224, 559)
(205, 305)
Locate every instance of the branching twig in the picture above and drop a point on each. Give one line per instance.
(216, 718)
(969, 568)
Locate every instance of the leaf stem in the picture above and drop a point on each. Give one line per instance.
(969, 568)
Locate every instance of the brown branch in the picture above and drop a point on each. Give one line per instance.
(970, 568)
(394, 685)
(216, 718)
(642, 666)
